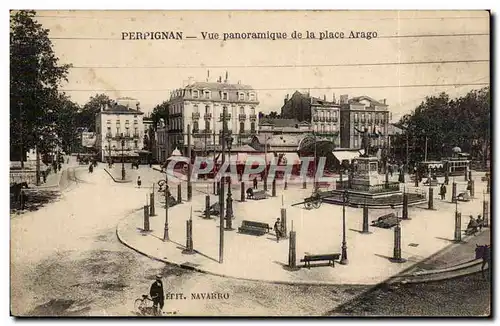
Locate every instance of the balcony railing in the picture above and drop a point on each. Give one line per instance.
(253, 117)
(195, 115)
(315, 119)
(335, 119)
(207, 116)
(228, 116)
(108, 135)
(322, 119)
(242, 116)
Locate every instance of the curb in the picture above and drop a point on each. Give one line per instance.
(117, 181)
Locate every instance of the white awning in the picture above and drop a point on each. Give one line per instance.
(345, 155)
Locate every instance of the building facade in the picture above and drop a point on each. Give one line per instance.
(322, 114)
(116, 124)
(200, 105)
(363, 113)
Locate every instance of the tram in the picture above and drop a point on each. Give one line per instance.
(454, 166)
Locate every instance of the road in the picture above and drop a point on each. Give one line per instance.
(67, 261)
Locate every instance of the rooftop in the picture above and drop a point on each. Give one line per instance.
(218, 86)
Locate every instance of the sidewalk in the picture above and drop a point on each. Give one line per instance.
(318, 232)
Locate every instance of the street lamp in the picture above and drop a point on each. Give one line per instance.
(123, 162)
(229, 200)
(345, 198)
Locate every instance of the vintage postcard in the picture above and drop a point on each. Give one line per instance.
(250, 163)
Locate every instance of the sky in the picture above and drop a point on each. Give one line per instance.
(450, 47)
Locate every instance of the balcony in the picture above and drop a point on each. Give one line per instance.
(253, 117)
(335, 119)
(322, 119)
(242, 116)
(228, 116)
(328, 119)
(205, 131)
(315, 119)
(195, 115)
(207, 116)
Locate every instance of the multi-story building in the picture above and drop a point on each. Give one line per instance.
(200, 105)
(117, 123)
(360, 113)
(323, 115)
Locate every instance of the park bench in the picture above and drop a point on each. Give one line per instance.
(214, 209)
(254, 228)
(386, 221)
(324, 257)
(463, 196)
(258, 195)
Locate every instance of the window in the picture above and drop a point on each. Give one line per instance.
(334, 128)
(252, 96)
(109, 131)
(127, 132)
(136, 145)
(241, 96)
(356, 117)
(118, 131)
(108, 121)
(136, 132)
(224, 96)
(135, 122)
(195, 94)
(242, 110)
(195, 109)
(207, 125)
(207, 109)
(363, 117)
(242, 127)
(195, 126)
(117, 122)
(252, 126)
(207, 94)
(322, 128)
(252, 110)
(126, 122)
(369, 117)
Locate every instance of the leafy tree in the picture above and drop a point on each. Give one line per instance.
(87, 114)
(160, 112)
(66, 113)
(35, 77)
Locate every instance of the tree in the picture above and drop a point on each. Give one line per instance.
(35, 77)
(160, 112)
(87, 115)
(66, 114)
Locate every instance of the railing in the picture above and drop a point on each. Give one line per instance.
(108, 135)
(195, 115)
(207, 116)
(253, 117)
(384, 187)
(242, 116)
(322, 119)
(228, 116)
(315, 119)
(335, 120)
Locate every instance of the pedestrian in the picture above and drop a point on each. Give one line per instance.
(442, 191)
(139, 181)
(44, 174)
(157, 294)
(91, 168)
(277, 229)
(469, 187)
(446, 179)
(479, 222)
(59, 166)
(254, 182)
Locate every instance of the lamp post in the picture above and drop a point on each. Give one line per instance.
(229, 200)
(123, 162)
(344, 260)
(167, 193)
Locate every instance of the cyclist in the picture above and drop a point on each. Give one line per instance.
(157, 294)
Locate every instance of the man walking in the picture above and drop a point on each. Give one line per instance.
(277, 229)
(442, 191)
(157, 294)
(139, 182)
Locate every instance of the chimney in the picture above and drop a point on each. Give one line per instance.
(137, 106)
(227, 78)
(286, 99)
(384, 100)
(324, 97)
(334, 100)
(208, 75)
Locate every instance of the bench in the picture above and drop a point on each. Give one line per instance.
(324, 257)
(254, 228)
(258, 195)
(386, 221)
(463, 196)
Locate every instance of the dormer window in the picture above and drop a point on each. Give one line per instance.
(196, 94)
(241, 96)
(251, 96)
(207, 94)
(224, 96)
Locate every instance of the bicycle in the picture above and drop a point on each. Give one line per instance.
(146, 306)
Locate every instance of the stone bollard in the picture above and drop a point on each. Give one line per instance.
(146, 218)
(472, 188)
(215, 188)
(454, 192)
(218, 188)
(265, 183)
(243, 197)
(458, 227)
(486, 214)
(304, 184)
(405, 206)
(396, 258)
(273, 189)
(152, 204)
(365, 220)
(292, 255)
(431, 198)
(189, 238)
(179, 193)
(207, 206)
(283, 223)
